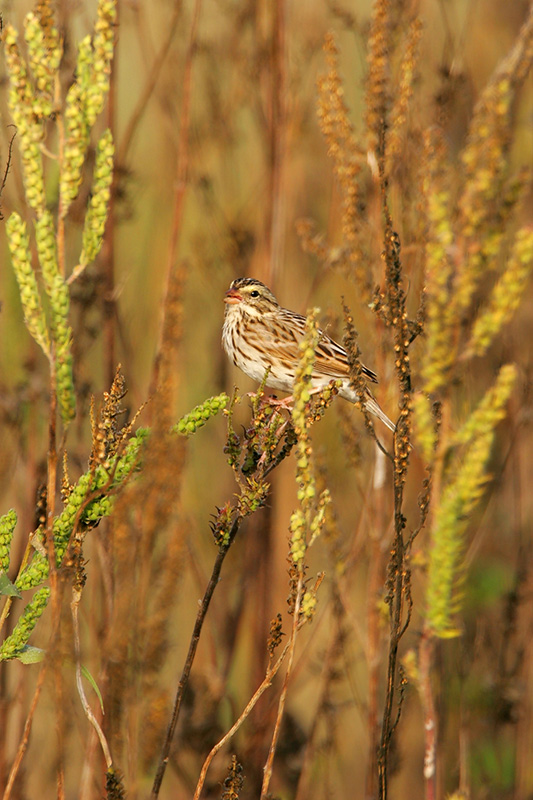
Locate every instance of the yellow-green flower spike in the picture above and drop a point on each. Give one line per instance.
(7, 526)
(66, 395)
(96, 216)
(459, 498)
(307, 522)
(197, 418)
(85, 99)
(15, 643)
(29, 292)
(22, 105)
(58, 296)
(103, 45)
(402, 99)
(439, 352)
(298, 538)
(308, 606)
(76, 129)
(56, 288)
(507, 293)
(44, 56)
(489, 411)
(120, 468)
(483, 158)
(424, 422)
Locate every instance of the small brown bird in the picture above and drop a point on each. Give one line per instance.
(259, 334)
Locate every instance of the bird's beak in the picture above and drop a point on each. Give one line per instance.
(231, 297)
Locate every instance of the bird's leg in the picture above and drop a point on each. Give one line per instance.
(272, 400)
(285, 402)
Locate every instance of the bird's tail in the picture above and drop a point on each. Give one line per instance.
(373, 406)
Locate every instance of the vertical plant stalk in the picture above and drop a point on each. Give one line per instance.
(398, 580)
(74, 606)
(265, 684)
(23, 745)
(55, 589)
(195, 638)
(109, 320)
(275, 212)
(148, 90)
(181, 178)
(425, 662)
(380, 512)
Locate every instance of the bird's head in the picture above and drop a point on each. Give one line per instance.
(250, 296)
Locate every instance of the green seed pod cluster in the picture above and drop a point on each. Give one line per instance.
(44, 56)
(24, 109)
(7, 526)
(58, 295)
(19, 247)
(16, 642)
(298, 539)
(85, 99)
(308, 606)
(507, 293)
(221, 525)
(96, 216)
(76, 130)
(308, 520)
(459, 497)
(253, 497)
(107, 480)
(103, 44)
(197, 418)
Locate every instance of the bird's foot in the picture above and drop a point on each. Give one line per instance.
(271, 400)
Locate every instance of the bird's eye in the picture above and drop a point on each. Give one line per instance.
(255, 293)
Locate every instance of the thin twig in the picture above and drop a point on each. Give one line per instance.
(180, 180)
(60, 151)
(283, 696)
(23, 745)
(275, 211)
(265, 684)
(145, 95)
(195, 638)
(8, 166)
(74, 605)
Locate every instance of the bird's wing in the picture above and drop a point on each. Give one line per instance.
(285, 331)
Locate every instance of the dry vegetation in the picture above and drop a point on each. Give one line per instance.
(240, 601)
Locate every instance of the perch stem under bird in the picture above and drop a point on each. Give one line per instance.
(260, 335)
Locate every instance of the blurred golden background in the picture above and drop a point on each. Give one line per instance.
(220, 165)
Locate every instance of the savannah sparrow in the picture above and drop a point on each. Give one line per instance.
(258, 333)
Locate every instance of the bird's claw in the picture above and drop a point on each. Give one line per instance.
(271, 400)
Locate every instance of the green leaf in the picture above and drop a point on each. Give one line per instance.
(8, 588)
(31, 655)
(86, 674)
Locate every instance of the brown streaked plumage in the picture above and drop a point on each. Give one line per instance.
(258, 333)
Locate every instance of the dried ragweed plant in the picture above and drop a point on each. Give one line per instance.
(474, 251)
(478, 262)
